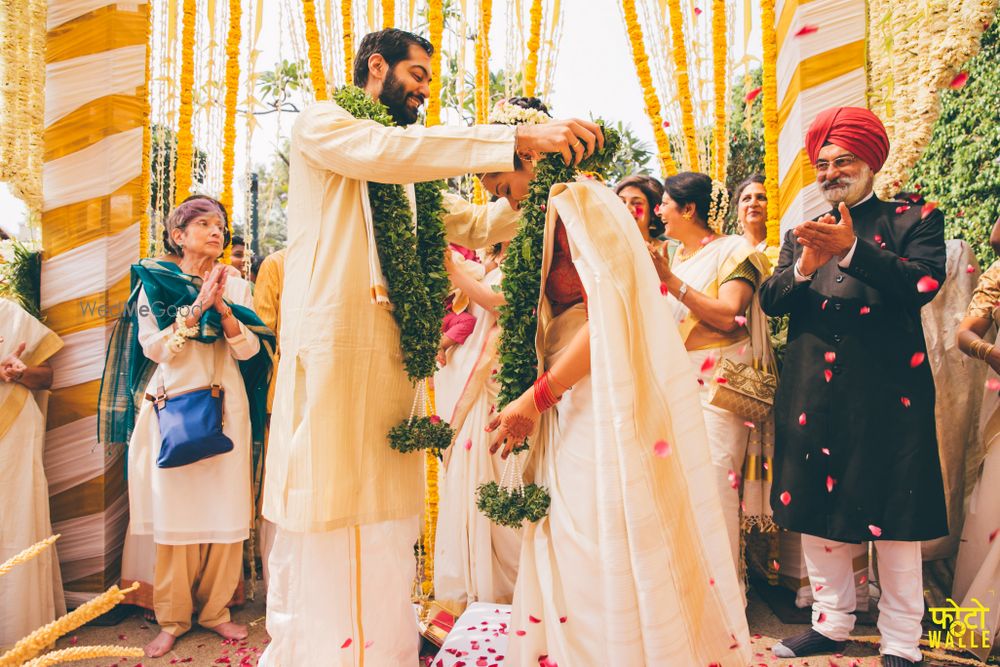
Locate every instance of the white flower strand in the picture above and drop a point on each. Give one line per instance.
(181, 330)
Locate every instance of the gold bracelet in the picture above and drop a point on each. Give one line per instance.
(981, 349)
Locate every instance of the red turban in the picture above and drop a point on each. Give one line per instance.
(856, 129)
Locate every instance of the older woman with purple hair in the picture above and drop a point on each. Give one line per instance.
(191, 343)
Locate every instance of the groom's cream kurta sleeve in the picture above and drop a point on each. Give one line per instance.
(340, 383)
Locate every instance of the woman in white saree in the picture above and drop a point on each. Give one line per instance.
(631, 566)
(475, 559)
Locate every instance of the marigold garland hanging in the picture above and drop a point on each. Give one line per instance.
(482, 79)
(435, 20)
(388, 14)
(185, 136)
(534, 43)
(769, 91)
(721, 78)
(314, 50)
(679, 50)
(147, 140)
(233, 38)
(347, 25)
(649, 96)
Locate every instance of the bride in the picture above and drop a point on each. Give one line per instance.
(631, 566)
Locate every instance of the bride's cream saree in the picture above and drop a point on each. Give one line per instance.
(631, 566)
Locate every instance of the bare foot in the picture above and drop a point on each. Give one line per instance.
(161, 645)
(230, 630)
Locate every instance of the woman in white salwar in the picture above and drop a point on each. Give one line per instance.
(977, 570)
(196, 323)
(631, 565)
(31, 594)
(711, 280)
(475, 559)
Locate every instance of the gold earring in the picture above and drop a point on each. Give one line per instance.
(688, 215)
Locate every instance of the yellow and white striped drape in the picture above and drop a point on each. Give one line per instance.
(816, 70)
(92, 188)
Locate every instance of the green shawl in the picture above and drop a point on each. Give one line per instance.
(127, 370)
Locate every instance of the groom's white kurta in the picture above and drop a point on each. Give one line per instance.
(341, 386)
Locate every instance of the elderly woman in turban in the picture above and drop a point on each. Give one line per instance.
(856, 456)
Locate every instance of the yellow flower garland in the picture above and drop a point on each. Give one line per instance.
(147, 140)
(185, 135)
(26, 555)
(435, 19)
(347, 21)
(315, 51)
(683, 84)
(389, 14)
(719, 62)
(23, 41)
(482, 79)
(769, 109)
(534, 43)
(649, 96)
(229, 128)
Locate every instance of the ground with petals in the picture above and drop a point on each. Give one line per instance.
(201, 648)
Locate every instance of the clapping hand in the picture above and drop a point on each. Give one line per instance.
(11, 367)
(658, 252)
(827, 236)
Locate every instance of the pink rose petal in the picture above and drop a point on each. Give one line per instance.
(875, 530)
(828, 375)
(806, 30)
(928, 208)
(468, 444)
(752, 95)
(708, 364)
(826, 451)
(878, 238)
(830, 357)
(347, 642)
(821, 617)
(917, 359)
(927, 284)
(662, 448)
(993, 384)
(520, 633)
(865, 310)
(994, 534)
(532, 619)
(960, 80)
(740, 320)
(830, 481)
(663, 289)
(905, 401)
(822, 306)
(734, 480)
(902, 209)
(970, 269)
(802, 419)
(785, 498)
(562, 619)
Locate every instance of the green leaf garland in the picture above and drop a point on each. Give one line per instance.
(522, 268)
(412, 262)
(510, 507)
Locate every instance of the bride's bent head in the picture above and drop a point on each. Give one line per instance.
(514, 185)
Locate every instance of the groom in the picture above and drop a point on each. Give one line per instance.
(345, 504)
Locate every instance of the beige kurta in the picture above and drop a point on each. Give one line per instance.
(30, 595)
(341, 383)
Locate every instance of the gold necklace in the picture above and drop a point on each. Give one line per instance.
(704, 242)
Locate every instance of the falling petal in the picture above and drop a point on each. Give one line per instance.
(863, 579)
(663, 289)
(818, 587)
(543, 661)
(830, 481)
(826, 451)
(368, 644)
(749, 424)
(468, 444)
(829, 357)
(711, 581)
(821, 617)
(970, 269)
(878, 238)
(721, 380)
(823, 305)
(708, 364)
(697, 11)
(786, 498)
(802, 419)
(347, 642)
(875, 530)
(562, 619)
(905, 401)
(752, 95)
(807, 30)
(993, 535)
(734, 480)
(865, 310)
(776, 565)
(960, 79)
(917, 359)
(740, 320)
(828, 375)
(435, 419)
(993, 384)
(666, 123)
(520, 633)
(829, 550)
(532, 619)
(928, 208)
(662, 448)
(927, 284)
(902, 209)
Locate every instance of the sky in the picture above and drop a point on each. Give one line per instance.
(594, 76)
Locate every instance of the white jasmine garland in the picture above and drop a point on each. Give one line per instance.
(506, 113)
(181, 330)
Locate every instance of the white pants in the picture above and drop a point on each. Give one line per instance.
(342, 598)
(831, 575)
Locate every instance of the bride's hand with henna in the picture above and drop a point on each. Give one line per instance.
(514, 424)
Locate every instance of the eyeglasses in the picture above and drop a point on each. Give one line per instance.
(842, 162)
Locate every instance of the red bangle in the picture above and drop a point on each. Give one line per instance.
(543, 395)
